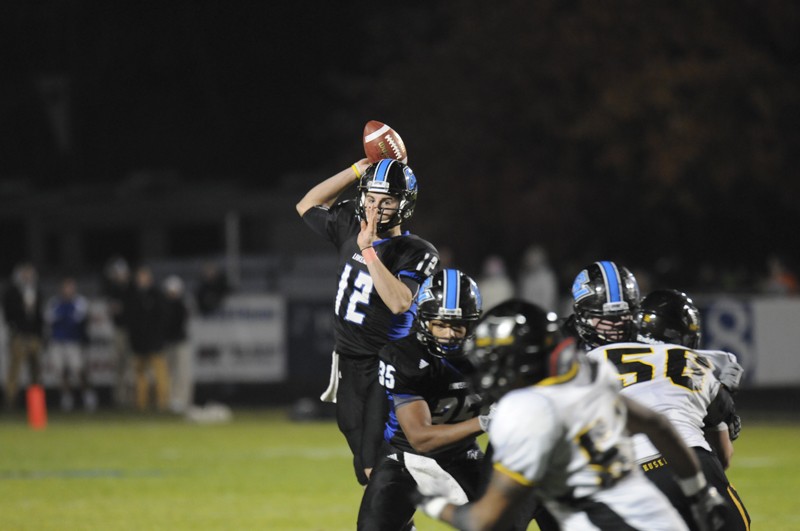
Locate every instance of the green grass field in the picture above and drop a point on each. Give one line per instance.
(260, 471)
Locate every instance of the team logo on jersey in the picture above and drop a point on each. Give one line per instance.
(358, 258)
(423, 364)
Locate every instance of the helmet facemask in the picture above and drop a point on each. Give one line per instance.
(451, 346)
(597, 329)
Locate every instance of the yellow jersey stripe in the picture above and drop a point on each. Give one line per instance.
(516, 476)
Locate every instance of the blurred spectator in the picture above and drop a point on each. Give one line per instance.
(116, 288)
(144, 312)
(212, 289)
(67, 319)
(23, 311)
(495, 285)
(780, 280)
(537, 281)
(179, 352)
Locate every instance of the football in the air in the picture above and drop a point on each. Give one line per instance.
(383, 142)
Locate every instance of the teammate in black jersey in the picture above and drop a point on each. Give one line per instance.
(380, 270)
(434, 418)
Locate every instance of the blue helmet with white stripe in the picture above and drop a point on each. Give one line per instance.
(392, 177)
(453, 298)
(605, 298)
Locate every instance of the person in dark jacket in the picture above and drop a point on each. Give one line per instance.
(115, 289)
(144, 310)
(24, 316)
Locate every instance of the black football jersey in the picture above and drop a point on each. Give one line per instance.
(409, 372)
(363, 323)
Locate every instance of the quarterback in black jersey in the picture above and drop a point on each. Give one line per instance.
(380, 270)
(434, 417)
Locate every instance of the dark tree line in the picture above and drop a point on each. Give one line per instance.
(648, 132)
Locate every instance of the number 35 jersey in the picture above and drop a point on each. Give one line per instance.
(363, 323)
(671, 379)
(410, 373)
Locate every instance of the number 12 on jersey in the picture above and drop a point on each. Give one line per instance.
(357, 293)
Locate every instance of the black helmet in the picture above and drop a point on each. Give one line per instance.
(449, 296)
(392, 177)
(609, 293)
(512, 347)
(669, 316)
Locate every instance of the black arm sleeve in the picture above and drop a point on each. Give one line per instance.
(721, 409)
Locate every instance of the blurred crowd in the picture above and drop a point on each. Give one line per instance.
(153, 361)
(539, 281)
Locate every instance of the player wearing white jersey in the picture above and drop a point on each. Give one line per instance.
(670, 379)
(678, 382)
(561, 431)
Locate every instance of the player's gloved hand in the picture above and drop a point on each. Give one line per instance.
(706, 504)
(734, 426)
(731, 376)
(430, 505)
(485, 420)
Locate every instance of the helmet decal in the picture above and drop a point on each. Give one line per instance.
(410, 177)
(580, 288)
(425, 291)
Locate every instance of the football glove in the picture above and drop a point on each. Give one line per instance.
(706, 504)
(430, 505)
(734, 426)
(485, 420)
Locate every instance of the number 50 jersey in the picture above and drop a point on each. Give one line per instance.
(671, 379)
(363, 323)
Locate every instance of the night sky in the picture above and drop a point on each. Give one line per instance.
(206, 88)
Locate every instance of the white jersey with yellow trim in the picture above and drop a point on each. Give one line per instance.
(726, 367)
(671, 379)
(566, 437)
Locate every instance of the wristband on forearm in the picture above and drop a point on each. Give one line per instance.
(369, 254)
(692, 485)
(355, 170)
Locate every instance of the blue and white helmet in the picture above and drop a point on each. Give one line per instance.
(452, 297)
(392, 177)
(605, 298)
